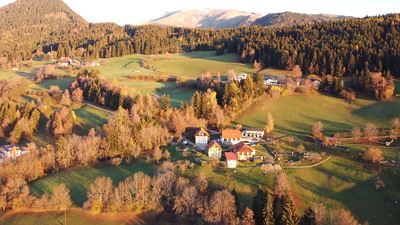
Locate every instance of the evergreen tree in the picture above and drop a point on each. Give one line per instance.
(268, 211)
(288, 212)
(258, 206)
(308, 217)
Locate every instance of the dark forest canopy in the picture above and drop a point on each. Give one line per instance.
(339, 48)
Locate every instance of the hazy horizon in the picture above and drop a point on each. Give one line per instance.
(134, 13)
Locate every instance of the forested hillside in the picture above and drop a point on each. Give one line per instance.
(25, 23)
(292, 19)
(340, 48)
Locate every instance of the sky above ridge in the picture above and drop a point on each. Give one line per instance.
(138, 11)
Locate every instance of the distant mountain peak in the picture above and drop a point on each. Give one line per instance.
(206, 18)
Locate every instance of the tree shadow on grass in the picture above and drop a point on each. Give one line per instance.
(361, 198)
(177, 94)
(79, 178)
(380, 111)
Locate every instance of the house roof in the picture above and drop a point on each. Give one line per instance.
(230, 156)
(253, 129)
(202, 132)
(231, 134)
(212, 144)
(242, 148)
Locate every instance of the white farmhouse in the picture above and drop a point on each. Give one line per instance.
(252, 133)
(201, 138)
(231, 137)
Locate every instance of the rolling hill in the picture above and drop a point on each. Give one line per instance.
(291, 19)
(26, 22)
(208, 18)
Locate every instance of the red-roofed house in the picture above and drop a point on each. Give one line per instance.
(243, 151)
(231, 160)
(231, 136)
(214, 150)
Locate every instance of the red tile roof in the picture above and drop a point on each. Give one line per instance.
(242, 148)
(231, 134)
(230, 156)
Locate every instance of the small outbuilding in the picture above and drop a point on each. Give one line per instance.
(231, 160)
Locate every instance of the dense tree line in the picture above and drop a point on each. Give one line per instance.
(338, 48)
(231, 96)
(18, 121)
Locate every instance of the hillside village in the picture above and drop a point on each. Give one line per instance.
(296, 123)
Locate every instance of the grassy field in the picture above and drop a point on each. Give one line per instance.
(89, 117)
(276, 72)
(74, 217)
(338, 182)
(296, 114)
(186, 66)
(191, 65)
(344, 183)
(78, 179)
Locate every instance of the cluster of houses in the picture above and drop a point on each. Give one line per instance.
(10, 152)
(65, 62)
(237, 142)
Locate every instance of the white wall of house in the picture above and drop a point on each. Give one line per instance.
(213, 154)
(230, 141)
(231, 164)
(201, 140)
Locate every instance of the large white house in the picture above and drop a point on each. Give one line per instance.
(253, 133)
(11, 152)
(231, 136)
(201, 138)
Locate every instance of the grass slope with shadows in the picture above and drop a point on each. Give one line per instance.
(78, 179)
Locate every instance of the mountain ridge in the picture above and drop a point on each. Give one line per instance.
(206, 18)
(291, 18)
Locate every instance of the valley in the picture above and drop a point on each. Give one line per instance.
(200, 116)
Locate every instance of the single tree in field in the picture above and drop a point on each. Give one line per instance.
(269, 126)
(99, 194)
(379, 184)
(356, 133)
(61, 198)
(281, 185)
(317, 129)
(373, 155)
(297, 73)
(370, 131)
(395, 123)
(201, 182)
